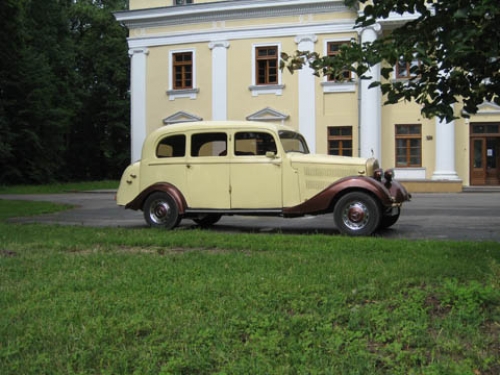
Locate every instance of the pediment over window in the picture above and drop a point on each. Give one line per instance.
(486, 108)
(268, 114)
(179, 117)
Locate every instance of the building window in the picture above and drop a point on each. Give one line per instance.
(405, 69)
(183, 2)
(182, 70)
(408, 146)
(266, 62)
(340, 140)
(333, 48)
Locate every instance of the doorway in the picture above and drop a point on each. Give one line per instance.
(485, 154)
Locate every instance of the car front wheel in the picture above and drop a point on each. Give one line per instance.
(357, 214)
(161, 211)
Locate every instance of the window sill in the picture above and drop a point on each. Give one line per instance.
(333, 87)
(186, 93)
(267, 90)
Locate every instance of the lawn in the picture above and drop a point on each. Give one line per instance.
(79, 300)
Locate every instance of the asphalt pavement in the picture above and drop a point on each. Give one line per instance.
(460, 216)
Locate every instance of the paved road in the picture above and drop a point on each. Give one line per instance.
(462, 216)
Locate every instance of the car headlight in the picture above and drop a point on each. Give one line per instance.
(377, 174)
(389, 175)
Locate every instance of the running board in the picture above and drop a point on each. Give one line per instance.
(237, 211)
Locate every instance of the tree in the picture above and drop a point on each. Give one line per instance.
(33, 87)
(64, 80)
(99, 140)
(455, 44)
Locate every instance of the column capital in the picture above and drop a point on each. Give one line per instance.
(137, 51)
(306, 38)
(218, 44)
(376, 28)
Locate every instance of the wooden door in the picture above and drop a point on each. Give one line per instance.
(485, 161)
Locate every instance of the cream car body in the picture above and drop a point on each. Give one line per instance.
(209, 169)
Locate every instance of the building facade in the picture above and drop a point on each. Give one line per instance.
(219, 60)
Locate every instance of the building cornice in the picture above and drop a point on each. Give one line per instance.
(266, 31)
(225, 10)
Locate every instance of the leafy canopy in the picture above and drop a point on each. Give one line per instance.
(456, 44)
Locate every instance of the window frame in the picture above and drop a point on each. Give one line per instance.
(336, 86)
(341, 138)
(408, 65)
(346, 73)
(173, 92)
(184, 64)
(408, 137)
(266, 88)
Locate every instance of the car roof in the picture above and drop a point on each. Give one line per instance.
(218, 125)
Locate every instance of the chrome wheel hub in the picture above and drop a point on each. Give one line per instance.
(356, 215)
(159, 212)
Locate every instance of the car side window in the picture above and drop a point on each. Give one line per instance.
(172, 146)
(209, 144)
(254, 143)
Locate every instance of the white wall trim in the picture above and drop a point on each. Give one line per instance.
(307, 93)
(219, 79)
(209, 12)
(138, 90)
(402, 174)
(275, 31)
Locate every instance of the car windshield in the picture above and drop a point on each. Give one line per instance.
(293, 142)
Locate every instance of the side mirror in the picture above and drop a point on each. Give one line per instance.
(271, 154)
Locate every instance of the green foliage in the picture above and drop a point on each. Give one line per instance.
(57, 188)
(456, 43)
(114, 301)
(59, 119)
(10, 209)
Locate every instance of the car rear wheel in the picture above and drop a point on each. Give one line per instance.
(207, 220)
(161, 211)
(357, 214)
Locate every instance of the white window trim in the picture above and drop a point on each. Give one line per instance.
(409, 174)
(185, 93)
(332, 86)
(274, 89)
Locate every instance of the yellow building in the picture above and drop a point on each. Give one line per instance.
(219, 60)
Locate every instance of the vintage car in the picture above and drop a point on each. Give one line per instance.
(203, 170)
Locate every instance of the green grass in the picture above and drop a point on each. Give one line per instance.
(58, 187)
(78, 300)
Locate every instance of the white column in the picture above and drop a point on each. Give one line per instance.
(219, 79)
(445, 151)
(138, 71)
(370, 111)
(307, 94)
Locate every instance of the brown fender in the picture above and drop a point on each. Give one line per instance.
(165, 187)
(321, 202)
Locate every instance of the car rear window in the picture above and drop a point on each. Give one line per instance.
(172, 146)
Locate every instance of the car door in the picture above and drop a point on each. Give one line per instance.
(208, 171)
(256, 171)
